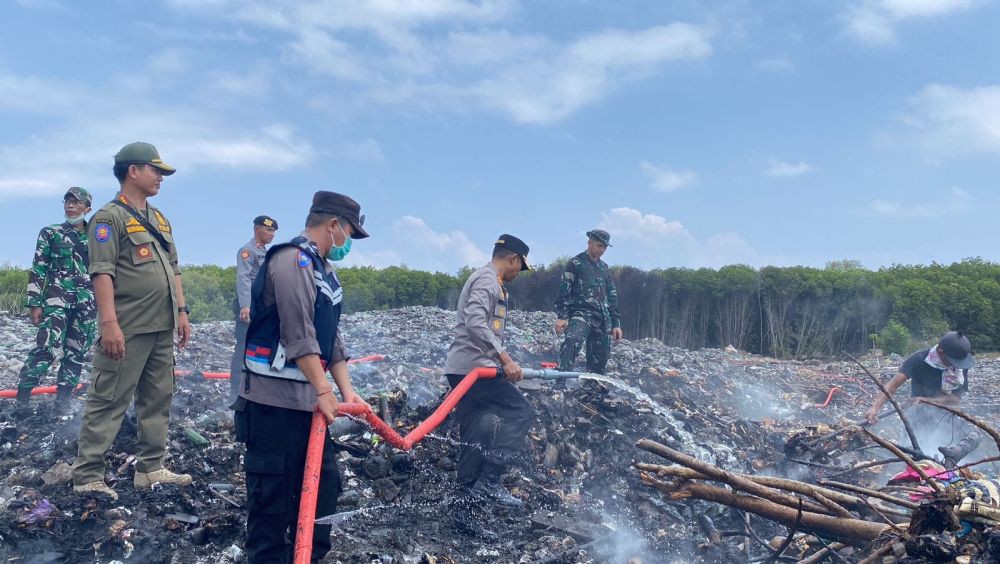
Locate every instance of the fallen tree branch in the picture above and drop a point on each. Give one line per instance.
(851, 531)
(878, 554)
(869, 492)
(788, 540)
(863, 466)
(981, 424)
(829, 549)
(794, 486)
(976, 463)
(895, 404)
(905, 458)
(728, 478)
(832, 506)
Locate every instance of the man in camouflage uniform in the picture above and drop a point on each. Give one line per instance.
(587, 306)
(248, 262)
(61, 302)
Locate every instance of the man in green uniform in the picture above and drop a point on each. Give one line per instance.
(587, 306)
(61, 302)
(140, 303)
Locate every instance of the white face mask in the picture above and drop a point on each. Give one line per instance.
(74, 220)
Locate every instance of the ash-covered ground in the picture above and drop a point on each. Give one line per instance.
(583, 500)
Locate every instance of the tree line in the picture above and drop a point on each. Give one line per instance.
(778, 311)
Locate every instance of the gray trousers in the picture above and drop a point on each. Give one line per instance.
(236, 364)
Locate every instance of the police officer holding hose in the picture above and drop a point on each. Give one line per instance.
(292, 343)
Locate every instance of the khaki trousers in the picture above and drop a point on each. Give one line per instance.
(147, 373)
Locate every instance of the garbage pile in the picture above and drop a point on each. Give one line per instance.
(584, 499)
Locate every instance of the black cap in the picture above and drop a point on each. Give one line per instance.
(958, 349)
(266, 221)
(332, 203)
(600, 235)
(512, 243)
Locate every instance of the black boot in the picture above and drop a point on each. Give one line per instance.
(467, 515)
(490, 486)
(952, 454)
(63, 396)
(22, 408)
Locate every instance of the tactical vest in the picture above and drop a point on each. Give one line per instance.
(264, 354)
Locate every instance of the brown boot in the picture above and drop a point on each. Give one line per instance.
(145, 480)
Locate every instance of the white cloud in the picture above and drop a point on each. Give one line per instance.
(435, 250)
(950, 121)
(552, 86)
(650, 241)
(959, 201)
(90, 123)
(443, 55)
(874, 21)
(786, 169)
(668, 180)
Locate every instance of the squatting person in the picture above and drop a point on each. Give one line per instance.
(493, 416)
(140, 304)
(934, 376)
(248, 261)
(61, 303)
(292, 342)
(587, 306)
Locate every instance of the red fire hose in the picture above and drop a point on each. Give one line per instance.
(35, 392)
(314, 453)
(829, 396)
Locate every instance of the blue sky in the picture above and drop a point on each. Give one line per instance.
(697, 133)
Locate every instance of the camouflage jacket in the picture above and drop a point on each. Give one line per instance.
(588, 291)
(58, 276)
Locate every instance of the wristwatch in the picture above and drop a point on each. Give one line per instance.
(184, 309)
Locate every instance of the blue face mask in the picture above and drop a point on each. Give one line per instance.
(338, 253)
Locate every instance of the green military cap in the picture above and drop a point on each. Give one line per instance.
(143, 153)
(600, 236)
(78, 193)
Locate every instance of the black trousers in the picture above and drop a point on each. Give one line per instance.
(493, 420)
(276, 440)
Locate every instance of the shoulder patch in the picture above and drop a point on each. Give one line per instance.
(102, 232)
(304, 260)
(245, 254)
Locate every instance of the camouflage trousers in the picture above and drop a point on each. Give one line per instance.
(597, 339)
(69, 331)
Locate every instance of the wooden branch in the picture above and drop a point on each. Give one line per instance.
(788, 540)
(794, 486)
(976, 463)
(981, 424)
(883, 517)
(878, 554)
(851, 531)
(905, 458)
(895, 405)
(869, 492)
(832, 506)
(828, 550)
(720, 475)
(864, 466)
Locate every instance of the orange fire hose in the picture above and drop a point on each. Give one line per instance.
(314, 453)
